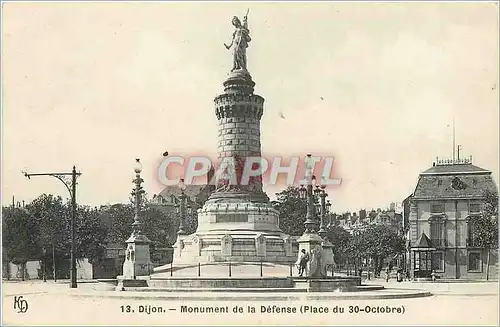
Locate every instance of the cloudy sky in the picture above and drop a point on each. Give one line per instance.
(378, 85)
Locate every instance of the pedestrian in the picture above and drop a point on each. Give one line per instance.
(387, 274)
(400, 276)
(433, 275)
(302, 262)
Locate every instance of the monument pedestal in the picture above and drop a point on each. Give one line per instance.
(328, 256)
(137, 257)
(236, 231)
(311, 242)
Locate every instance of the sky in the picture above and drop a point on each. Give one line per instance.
(377, 85)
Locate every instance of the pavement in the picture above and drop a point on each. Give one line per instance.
(55, 303)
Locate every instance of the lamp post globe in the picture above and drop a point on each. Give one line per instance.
(137, 166)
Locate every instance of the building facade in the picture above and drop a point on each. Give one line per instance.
(437, 221)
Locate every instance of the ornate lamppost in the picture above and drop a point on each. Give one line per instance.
(137, 260)
(307, 193)
(310, 241)
(320, 191)
(69, 180)
(181, 208)
(137, 193)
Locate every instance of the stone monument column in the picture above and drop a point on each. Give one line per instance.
(237, 223)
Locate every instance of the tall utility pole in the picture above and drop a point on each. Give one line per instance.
(70, 183)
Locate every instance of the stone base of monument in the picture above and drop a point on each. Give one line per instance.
(222, 283)
(236, 230)
(245, 277)
(328, 284)
(139, 281)
(237, 277)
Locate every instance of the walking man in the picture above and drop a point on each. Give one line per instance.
(302, 263)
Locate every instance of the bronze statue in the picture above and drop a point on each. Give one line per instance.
(241, 37)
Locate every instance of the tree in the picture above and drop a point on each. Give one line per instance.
(160, 227)
(377, 242)
(485, 227)
(53, 221)
(118, 219)
(48, 213)
(340, 239)
(292, 211)
(45, 224)
(19, 241)
(90, 233)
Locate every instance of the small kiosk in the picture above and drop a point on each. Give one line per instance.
(422, 258)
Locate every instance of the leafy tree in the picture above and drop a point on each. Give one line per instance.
(160, 227)
(490, 203)
(340, 238)
(48, 214)
(90, 234)
(382, 242)
(45, 224)
(19, 241)
(356, 249)
(377, 242)
(118, 219)
(292, 211)
(485, 227)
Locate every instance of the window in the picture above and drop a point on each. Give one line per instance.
(437, 208)
(436, 233)
(438, 261)
(474, 208)
(471, 242)
(474, 262)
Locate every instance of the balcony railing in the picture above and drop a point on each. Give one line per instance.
(461, 161)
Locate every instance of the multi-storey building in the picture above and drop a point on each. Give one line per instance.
(437, 221)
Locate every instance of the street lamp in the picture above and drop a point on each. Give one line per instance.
(323, 209)
(70, 183)
(137, 193)
(307, 194)
(137, 259)
(182, 209)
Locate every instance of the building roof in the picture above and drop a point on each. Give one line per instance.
(455, 169)
(423, 242)
(454, 182)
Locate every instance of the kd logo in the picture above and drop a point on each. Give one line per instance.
(20, 304)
